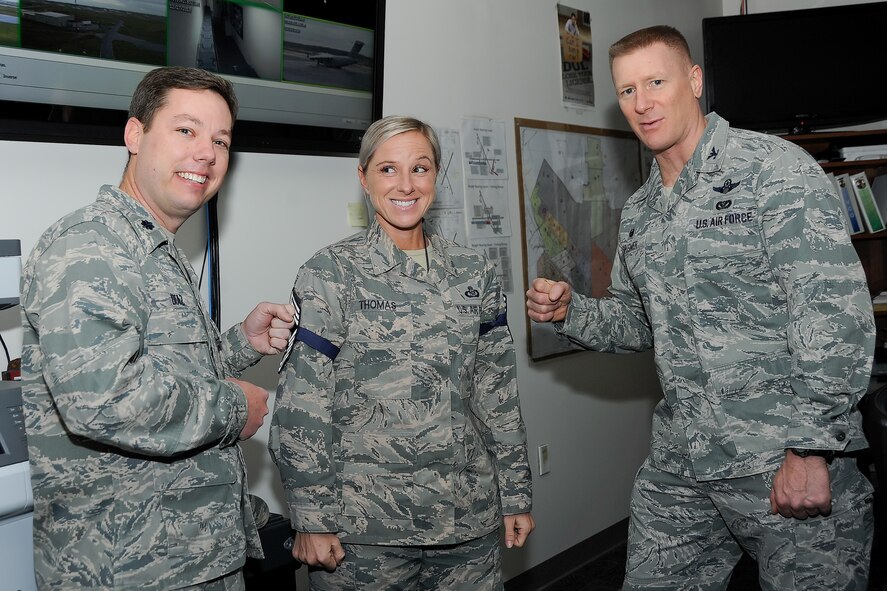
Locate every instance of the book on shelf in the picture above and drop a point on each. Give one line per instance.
(866, 200)
(848, 202)
(864, 152)
(879, 302)
(879, 190)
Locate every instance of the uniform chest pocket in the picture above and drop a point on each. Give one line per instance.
(735, 299)
(728, 267)
(381, 333)
(470, 326)
(634, 259)
(174, 321)
(177, 335)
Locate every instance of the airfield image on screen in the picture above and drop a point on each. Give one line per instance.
(88, 29)
(328, 54)
(288, 64)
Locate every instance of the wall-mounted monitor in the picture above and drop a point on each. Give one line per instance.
(798, 69)
(308, 73)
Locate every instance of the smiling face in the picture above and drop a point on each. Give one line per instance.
(400, 179)
(179, 162)
(658, 90)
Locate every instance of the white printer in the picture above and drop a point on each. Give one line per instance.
(16, 499)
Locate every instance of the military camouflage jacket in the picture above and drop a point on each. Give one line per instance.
(397, 417)
(138, 481)
(745, 283)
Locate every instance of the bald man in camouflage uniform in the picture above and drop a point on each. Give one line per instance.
(735, 266)
(397, 426)
(132, 425)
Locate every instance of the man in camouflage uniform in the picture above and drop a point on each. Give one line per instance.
(132, 425)
(734, 265)
(397, 428)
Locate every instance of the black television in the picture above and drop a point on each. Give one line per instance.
(799, 70)
(308, 73)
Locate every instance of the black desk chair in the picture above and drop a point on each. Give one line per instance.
(874, 422)
(278, 569)
(873, 407)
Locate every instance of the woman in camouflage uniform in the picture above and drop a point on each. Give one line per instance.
(397, 428)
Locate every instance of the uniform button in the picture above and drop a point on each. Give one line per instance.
(841, 436)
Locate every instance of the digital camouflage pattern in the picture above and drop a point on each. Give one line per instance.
(138, 481)
(699, 531)
(744, 281)
(413, 434)
(470, 566)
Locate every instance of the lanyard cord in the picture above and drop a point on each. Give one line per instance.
(425, 243)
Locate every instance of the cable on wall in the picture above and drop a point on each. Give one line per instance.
(212, 237)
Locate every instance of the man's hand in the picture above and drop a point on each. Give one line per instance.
(256, 407)
(517, 528)
(319, 550)
(547, 300)
(268, 327)
(801, 487)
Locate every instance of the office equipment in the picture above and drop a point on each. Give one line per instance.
(10, 271)
(817, 69)
(307, 73)
(16, 499)
(278, 569)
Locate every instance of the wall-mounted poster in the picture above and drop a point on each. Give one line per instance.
(574, 29)
(573, 182)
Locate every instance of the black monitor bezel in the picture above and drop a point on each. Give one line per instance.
(43, 122)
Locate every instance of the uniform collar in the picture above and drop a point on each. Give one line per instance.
(712, 148)
(385, 255)
(707, 157)
(148, 230)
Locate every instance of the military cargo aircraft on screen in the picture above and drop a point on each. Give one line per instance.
(338, 61)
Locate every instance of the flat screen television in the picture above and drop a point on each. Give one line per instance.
(307, 73)
(798, 70)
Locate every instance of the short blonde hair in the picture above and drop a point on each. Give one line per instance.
(386, 128)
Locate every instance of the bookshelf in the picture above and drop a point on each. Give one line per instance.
(825, 146)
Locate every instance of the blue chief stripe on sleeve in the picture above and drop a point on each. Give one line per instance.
(317, 342)
(501, 320)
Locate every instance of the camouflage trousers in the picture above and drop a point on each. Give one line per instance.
(470, 566)
(685, 534)
(230, 582)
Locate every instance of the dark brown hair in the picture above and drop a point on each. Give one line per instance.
(150, 95)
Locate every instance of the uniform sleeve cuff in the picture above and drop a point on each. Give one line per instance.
(516, 505)
(237, 350)
(237, 416)
(827, 436)
(313, 521)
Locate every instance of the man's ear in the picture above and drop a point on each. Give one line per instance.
(696, 80)
(132, 135)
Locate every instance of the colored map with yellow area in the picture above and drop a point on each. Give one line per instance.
(574, 187)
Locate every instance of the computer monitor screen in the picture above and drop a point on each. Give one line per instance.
(308, 73)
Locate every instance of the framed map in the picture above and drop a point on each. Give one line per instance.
(573, 182)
